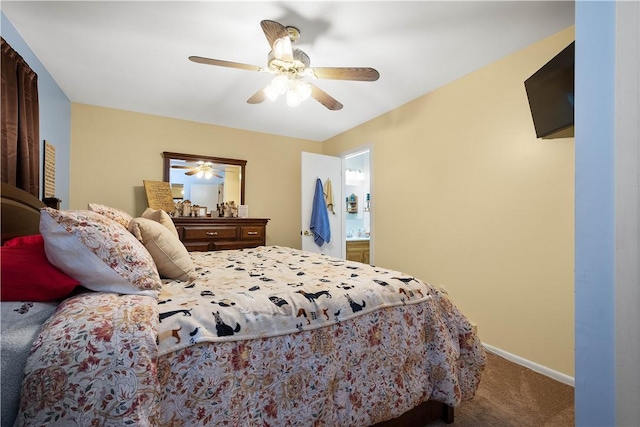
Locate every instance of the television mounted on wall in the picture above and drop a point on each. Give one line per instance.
(550, 91)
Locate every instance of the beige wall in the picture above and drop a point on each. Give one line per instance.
(465, 196)
(113, 151)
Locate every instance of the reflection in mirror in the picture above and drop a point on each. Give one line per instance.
(177, 191)
(205, 181)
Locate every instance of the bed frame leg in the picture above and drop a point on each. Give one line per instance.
(447, 414)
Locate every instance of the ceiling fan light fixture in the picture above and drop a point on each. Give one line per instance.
(282, 48)
(297, 63)
(307, 73)
(298, 92)
(204, 170)
(301, 88)
(277, 87)
(293, 100)
(296, 89)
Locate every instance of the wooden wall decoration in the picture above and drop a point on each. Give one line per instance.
(49, 173)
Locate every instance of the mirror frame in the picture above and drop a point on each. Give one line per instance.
(168, 156)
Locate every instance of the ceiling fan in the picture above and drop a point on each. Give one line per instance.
(291, 69)
(201, 170)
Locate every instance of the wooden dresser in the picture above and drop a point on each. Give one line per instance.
(214, 234)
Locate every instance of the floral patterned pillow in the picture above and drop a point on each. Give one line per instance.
(98, 252)
(118, 215)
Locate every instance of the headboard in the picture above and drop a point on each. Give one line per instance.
(20, 212)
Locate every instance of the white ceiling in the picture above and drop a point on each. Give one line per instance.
(132, 55)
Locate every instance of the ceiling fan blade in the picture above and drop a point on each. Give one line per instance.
(195, 171)
(278, 38)
(182, 167)
(364, 74)
(257, 97)
(325, 99)
(221, 63)
(273, 31)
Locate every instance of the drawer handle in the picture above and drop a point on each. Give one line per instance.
(212, 233)
(252, 233)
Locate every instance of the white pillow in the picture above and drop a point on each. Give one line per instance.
(158, 215)
(98, 252)
(171, 257)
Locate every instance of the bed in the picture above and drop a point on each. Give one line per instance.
(269, 336)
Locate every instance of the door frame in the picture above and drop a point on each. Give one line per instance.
(351, 152)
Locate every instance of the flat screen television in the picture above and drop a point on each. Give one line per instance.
(550, 91)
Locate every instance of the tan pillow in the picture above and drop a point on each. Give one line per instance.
(158, 215)
(171, 257)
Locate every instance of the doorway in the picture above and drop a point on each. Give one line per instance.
(357, 191)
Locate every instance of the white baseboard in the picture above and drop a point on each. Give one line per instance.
(558, 376)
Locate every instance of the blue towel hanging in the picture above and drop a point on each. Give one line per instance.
(319, 217)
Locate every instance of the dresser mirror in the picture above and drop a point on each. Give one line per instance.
(204, 180)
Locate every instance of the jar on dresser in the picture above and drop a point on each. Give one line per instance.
(214, 234)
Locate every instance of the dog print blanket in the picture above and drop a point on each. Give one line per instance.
(271, 290)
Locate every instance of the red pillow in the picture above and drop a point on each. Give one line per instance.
(27, 274)
(35, 239)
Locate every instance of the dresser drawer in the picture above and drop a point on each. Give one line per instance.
(252, 233)
(193, 233)
(197, 246)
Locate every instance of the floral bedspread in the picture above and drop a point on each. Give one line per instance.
(99, 360)
(94, 363)
(273, 290)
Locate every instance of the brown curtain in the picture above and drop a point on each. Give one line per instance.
(20, 122)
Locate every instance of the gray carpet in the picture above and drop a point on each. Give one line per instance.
(511, 395)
